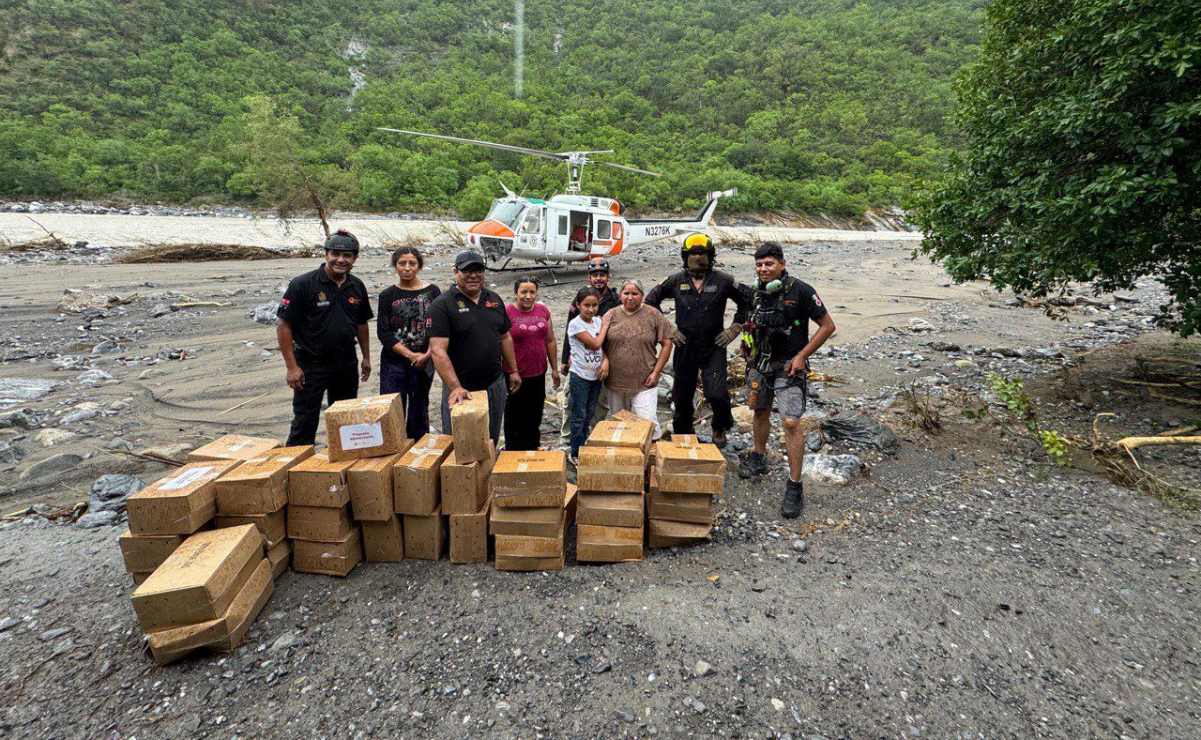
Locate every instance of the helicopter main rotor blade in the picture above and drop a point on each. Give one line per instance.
(477, 142)
(628, 168)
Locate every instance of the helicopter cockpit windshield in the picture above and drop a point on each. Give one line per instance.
(507, 212)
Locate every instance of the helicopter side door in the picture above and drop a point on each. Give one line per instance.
(531, 235)
(558, 231)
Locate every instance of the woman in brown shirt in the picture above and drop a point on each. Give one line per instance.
(637, 347)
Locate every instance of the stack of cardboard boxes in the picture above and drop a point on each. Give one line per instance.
(163, 514)
(256, 492)
(417, 495)
(532, 507)
(612, 480)
(371, 503)
(686, 478)
(465, 473)
(325, 537)
(205, 594)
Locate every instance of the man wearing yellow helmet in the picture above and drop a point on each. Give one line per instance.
(700, 294)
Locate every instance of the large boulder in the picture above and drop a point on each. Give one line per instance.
(835, 469)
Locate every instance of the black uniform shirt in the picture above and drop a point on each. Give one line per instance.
(608, 299)
(474, 330)
(324, 316)
(701, 315)
(800, 304)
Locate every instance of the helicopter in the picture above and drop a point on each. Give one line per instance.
(568, 227)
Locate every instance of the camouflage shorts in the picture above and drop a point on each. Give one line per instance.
(788, 394)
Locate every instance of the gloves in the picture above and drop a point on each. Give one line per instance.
(729, 335)
(678, 339)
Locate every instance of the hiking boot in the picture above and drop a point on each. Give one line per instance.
(794, 500)
(753, 465)
(719, 439)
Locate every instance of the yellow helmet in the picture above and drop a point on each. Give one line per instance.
(698, 243)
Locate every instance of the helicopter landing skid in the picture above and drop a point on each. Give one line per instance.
(548, 269)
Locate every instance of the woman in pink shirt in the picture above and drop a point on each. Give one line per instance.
(534, 345)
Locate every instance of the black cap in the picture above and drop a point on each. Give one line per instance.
(342, 241)
(598, 266)
(467, 259)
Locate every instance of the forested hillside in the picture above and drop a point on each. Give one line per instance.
(811, 105)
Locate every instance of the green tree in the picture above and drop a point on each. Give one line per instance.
(1083, 152)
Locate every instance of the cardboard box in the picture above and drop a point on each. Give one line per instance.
(260, 485)
(328, 558)
(371, 489)
(417, 478)
(528, 479)
(197, 582)
(663, 533)
(180, 502)
(319, 523)
(635, 434)
(273, 526)
(425, 536)
(611, 470)
(464, 484)
(540, 521)
(469, 423)
(625, 415)
(596, 544)
(365, 427)
(319, 481)
(144, 554)
(383, 542)
(686, 469)
(224, 633)
(697, 508)
(280, 558)
(610, 510)
(232, 447)
(469, 536)
(511, 546)
(675, 458)
(526, 565)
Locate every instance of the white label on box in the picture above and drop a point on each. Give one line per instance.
(185, 479)
(361, 436)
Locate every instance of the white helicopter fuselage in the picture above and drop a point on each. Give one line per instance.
(572, 228)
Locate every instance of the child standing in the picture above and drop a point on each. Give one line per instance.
(585, 335)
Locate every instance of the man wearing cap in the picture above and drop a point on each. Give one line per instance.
(598, 277)
(469, 337)
(700, 294)
(322, 315)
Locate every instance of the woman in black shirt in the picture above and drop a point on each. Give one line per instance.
(402, 323)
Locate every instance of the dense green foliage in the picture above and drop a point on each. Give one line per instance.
(1083, 152)
(816, 105)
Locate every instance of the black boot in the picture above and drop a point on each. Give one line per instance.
(794, 500)
(753, 465)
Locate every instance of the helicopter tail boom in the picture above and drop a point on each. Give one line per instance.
(648, 230)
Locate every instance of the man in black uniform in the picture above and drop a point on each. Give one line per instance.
(469, 335)
(321, 316)
(598, 277)
(700, 294)
(778, 354)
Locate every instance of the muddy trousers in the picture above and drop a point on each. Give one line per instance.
(336, 379)
(709, 363)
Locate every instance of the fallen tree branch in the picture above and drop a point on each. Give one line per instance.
(244, 403)
(1131, 443)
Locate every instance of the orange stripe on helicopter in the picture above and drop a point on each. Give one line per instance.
(491, 228)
